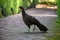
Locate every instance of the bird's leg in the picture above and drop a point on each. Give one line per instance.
(29, 29)
(34, 28)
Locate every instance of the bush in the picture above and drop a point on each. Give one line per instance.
(48, 3)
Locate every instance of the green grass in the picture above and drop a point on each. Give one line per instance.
(57, 32)
(56, 36)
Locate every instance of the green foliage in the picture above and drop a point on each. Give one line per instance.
(25, 3)
(33, 3)
(56, 37)
(8, 4)
(58, 12)
(20, 3)
(15, 6)
(48, 3)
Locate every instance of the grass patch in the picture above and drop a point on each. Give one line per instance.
(57, 32)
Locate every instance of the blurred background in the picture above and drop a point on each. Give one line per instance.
(12, 6)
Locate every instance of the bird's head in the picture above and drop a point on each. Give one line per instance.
(21, 7)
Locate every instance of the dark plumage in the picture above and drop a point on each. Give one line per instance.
(3, 11)
(29, 20)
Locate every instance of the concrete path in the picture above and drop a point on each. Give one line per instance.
(13, 27)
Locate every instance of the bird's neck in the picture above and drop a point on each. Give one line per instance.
(23, 12)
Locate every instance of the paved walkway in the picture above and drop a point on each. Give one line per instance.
(13, 27)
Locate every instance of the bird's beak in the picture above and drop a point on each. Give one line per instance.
(20, 7)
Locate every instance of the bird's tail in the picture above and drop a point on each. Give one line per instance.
(42, 27)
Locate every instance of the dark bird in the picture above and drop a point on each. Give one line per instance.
(3, 11)
(29, 20)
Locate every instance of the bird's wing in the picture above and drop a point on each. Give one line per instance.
(32, 19)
